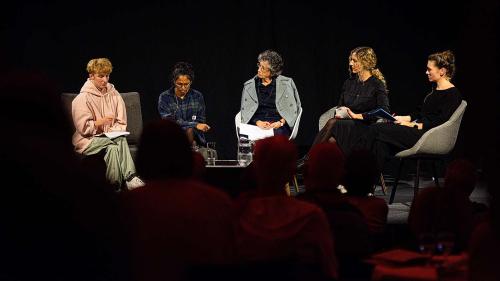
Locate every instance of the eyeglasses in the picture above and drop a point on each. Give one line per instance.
(259, 66)
(182, 85)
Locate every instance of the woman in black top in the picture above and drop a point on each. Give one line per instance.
(386, 139)
(361, 93)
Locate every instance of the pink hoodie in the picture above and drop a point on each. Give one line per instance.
(91, 105)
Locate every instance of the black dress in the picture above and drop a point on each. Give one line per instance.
(386, 139)
(360, 97)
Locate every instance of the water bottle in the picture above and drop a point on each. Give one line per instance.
(244, 151)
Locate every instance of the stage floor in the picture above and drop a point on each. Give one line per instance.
(398, 211)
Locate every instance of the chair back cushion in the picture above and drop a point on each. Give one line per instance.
(67, 99)
(441, 139)
(134, 116)
(326, 116)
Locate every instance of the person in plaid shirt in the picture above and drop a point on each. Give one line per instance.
(185, 105)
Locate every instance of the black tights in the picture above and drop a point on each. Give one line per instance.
(324, 135)
(190, 136)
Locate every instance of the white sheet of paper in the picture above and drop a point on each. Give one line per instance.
(341, 112)
(113, 135)
(254, 132)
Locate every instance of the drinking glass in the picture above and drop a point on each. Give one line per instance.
(245, 155)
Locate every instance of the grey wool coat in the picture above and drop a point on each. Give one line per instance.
(287, 100)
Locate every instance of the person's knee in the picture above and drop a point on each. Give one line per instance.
(120, 140)
(112, 148)
(190, 135)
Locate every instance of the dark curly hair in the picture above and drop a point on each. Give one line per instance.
(275, 61)
(182, 68)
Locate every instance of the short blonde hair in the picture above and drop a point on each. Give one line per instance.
(99, 66)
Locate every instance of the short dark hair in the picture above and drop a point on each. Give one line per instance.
(182, 68)
(275, 61)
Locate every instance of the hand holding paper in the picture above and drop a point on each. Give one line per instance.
(254, 132)
(342, 113)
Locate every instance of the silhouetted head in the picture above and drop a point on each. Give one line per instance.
(198, 166)
(325, 167)
(47, 190)
(40, 101)
(164, 152)
(275, 161)
(460, 176)
(361, 172)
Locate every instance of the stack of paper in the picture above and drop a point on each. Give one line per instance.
(254, 132)
(113, 135)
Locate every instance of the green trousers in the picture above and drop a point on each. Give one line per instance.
(119, 163)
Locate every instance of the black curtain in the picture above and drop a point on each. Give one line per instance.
(223, 38)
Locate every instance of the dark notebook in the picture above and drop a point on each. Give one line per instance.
(379, 112)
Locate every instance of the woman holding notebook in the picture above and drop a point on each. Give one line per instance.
(361, 93)
(385, 139)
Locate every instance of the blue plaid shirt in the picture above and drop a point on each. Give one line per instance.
(187, 112)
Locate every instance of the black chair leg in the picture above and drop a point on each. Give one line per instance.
(382, 184)
(417, 179)
(434, 171)
(396, 180)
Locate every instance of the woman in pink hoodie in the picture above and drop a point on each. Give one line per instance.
(100, 109)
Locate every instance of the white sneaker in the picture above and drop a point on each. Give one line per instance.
(134, 183)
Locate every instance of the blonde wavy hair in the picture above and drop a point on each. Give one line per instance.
(99, 66)
(368, 59)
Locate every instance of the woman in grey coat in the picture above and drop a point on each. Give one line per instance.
(270, 100)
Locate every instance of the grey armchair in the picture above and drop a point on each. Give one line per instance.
(433, 145)
(326, 116)
(134, 116)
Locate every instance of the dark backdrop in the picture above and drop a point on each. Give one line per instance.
(222, 40)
